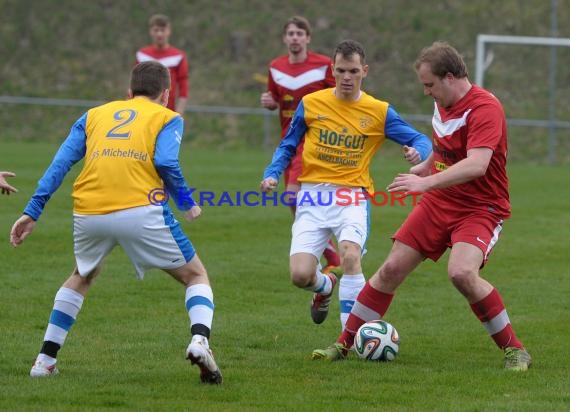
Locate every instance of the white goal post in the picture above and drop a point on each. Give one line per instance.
(483, 60)
(483, 39)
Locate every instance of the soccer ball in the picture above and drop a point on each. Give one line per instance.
(377, 340)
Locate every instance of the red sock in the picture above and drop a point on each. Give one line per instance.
(371, 304)
(332, 258)
(492, 313)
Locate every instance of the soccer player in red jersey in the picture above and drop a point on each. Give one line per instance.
(465, 201)
(292, 76)
(171, 57)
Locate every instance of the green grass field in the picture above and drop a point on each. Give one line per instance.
(126, 350)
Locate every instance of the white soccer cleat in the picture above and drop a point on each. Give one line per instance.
(40, 370)
(198, 354)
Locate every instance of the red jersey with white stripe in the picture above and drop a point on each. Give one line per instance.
(177, 63)
(475, 121)
(289, 82)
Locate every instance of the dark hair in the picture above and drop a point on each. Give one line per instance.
(159, 20)
(149, 79)
(347, 48)
(300, 22)
(443, 59)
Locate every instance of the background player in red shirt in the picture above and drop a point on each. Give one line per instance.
(171, 57)
(465, 200)
(292, 76)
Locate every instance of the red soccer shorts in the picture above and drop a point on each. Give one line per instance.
(432, 228)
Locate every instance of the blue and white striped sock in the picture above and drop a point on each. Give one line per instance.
(200, 307)
(67, 304)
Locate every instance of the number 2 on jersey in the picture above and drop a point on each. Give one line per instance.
(120, 131)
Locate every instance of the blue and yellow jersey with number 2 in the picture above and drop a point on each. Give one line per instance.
(341, 138)
(119, 172)
(130, 148)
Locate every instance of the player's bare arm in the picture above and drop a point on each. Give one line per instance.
(268, 101)
(181, 105)
(472, 167)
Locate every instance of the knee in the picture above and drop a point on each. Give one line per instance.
(350, 261)
(301, 278)
(461, 277)
(350, 254)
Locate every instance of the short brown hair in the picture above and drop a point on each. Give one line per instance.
(443, 59)
(347, 48)
(149, 79)
(300, 22)
(159, 20)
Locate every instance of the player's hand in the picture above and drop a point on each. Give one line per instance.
(6, 188)
(269, 184)
(407, 183)
(412, 155)
(21, 229)
(268, 101)
(193, 213)
(423, 169)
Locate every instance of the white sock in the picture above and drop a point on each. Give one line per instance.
(349, 288)
(323, 285)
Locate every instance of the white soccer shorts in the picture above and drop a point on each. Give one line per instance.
(325, 209)
(150, 236)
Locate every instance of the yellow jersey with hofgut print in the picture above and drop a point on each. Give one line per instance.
(119, 170)
(342, 138)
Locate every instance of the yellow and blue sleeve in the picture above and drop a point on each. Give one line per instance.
(399, 131)
(70, 152)
(168, 166)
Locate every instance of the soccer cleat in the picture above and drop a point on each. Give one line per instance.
(517, 359)
(320, 303)
(337, 351)
(40, 370)
(199, 354)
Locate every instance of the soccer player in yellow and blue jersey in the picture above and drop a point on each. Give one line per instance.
(290, 77)
(343, 127)
(131, 154)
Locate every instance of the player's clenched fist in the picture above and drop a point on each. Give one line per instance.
(267, 185)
